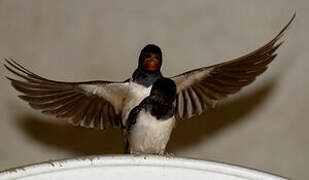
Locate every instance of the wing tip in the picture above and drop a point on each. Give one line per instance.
(6, 60)
(286, 27)
(9, 78)
(12, 66)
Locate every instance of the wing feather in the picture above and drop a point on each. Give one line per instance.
(189, 108)
(197, 106)
(180, 104)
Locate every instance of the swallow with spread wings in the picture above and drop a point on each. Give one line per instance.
(101, 104)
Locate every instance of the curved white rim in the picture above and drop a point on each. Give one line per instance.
(131, 160)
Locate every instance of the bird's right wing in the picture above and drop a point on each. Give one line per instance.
(92, 104)
(202, 88)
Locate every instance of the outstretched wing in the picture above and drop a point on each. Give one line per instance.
(202, 88)
(93, 104)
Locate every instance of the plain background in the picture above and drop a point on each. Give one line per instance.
(262, 127)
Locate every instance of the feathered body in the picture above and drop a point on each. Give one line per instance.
(150, 135)
(151, 122)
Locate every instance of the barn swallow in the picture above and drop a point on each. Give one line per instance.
(100, 104)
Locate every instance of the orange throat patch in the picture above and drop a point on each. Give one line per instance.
(151, 64)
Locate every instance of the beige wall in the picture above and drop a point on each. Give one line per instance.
(263, 127)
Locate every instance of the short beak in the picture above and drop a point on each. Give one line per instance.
(152, 60)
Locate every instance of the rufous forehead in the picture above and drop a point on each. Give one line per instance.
(151, 54)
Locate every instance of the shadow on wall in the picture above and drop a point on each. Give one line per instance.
(189, 132)
(82, 141)
(77, 140)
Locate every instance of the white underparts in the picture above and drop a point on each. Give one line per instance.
(150, 135)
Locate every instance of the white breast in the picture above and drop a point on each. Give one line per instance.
(150, 135)
(135, 95)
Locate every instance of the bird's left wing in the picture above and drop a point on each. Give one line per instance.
(204, 87)
(92, 104)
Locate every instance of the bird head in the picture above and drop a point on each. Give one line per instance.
(150, 58)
